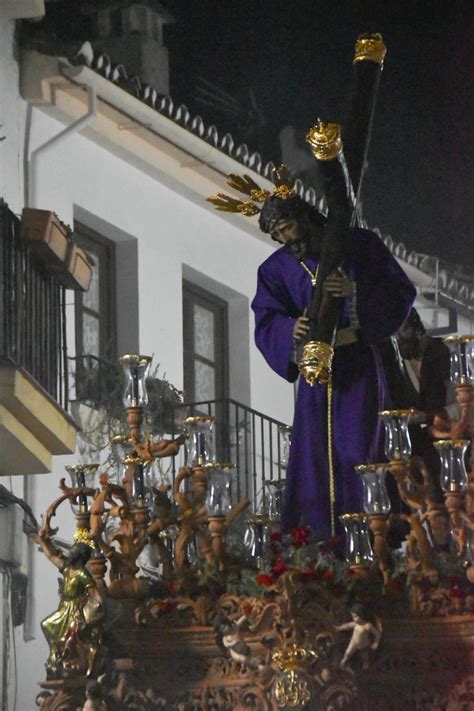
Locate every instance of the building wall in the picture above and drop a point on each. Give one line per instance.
(174, 236)
(163, 236)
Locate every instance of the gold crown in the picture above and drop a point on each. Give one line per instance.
(370, 47)
(281, 178)
(325, 140)
(292, 657)
(82, 535)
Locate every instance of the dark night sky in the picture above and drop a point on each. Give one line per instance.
(296, 57)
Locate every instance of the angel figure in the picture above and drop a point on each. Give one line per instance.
(365, 636)
(72, 632)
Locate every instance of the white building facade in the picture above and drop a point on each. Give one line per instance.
(136, 178)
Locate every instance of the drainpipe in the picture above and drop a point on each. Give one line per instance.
(78, 125)
(437, 283)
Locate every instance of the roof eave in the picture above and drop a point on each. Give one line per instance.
(135, 132)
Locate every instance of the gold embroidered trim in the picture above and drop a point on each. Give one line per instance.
(313, 275)
(332, 486)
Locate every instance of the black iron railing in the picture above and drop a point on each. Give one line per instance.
(248, 439)
(245, 437)
(32, 312)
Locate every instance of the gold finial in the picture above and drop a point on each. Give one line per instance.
(370, 47)
(82, 535)
(325, 140)
(316, 363)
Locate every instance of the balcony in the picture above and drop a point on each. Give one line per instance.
(33, 382)
(245, 437)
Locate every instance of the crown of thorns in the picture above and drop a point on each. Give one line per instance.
(281, 179)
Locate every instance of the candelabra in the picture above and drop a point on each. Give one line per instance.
(177, 537)
(426, 517)
(377, 508)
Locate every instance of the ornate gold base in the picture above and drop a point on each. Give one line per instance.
(316, 363)
(172, 668)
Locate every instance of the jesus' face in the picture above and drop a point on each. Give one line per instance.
(285, 231)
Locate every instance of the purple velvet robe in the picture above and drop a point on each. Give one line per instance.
(383, 300)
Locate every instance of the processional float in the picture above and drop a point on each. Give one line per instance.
(162, 607)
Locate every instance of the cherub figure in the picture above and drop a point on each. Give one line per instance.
(365, 636)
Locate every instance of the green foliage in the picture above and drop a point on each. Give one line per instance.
(244, 583)
(100, 385)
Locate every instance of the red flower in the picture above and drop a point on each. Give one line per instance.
(308, 574)
(172, 586)
(396, 585)
(328, 576)
(247, 609)
(168, 605)
(265, 580)
(276, 537)
(279, 567)
(299, 536)
(456, 593)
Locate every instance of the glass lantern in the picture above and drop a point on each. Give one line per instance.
(397, 437)
(358, 550)
(453, 471)
(376, 500)
(219, 497)
(469, 552)
(276, 489)
(141, 481)
(461, 354)
(168, 537)
(256, 537)
(284, 432)
(121, 446)
(82, 476)
(136, 368)
(191, 554)
(201, 434)
(111, 527)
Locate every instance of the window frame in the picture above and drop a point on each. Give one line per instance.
(193, 294)
(92, 241)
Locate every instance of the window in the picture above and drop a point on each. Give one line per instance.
(95, 314)
(206, 349)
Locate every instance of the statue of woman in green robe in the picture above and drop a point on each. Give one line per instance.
(71, 631)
